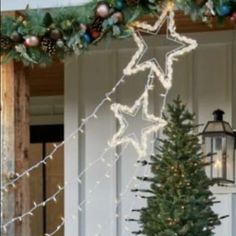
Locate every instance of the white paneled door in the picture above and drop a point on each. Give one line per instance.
(205, 79)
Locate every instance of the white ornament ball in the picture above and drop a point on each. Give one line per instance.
(102, 10)
(32, 41)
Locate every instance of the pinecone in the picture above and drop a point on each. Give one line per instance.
(97, 24)
(49, 46)
(5, 42)
(132, 3)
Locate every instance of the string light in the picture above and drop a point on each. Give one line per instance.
(56, 147)
(62, 188)
(54, 196)
(187, 45)
(88, 200)
(90, 191)
(165, 77)
(123, 196)
(133, 67)
(107, 174)
(156, 123)
(133, 181)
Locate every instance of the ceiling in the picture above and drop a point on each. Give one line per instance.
(46, 81)
(49, 81)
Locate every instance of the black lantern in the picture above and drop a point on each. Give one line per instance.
(219, 146)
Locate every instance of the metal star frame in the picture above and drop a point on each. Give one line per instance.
(186, 45)
(156, 124)
(165, 77)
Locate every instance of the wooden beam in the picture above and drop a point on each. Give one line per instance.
(22, 193)
(15, 143)
(7, 141)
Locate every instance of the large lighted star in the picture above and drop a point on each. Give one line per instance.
(186, 45)
(155, 124)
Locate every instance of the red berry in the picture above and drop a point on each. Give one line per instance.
(95, 34)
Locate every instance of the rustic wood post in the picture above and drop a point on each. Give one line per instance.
(22, 140)
(7, 141)
(15, 143)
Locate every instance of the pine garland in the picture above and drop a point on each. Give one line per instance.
(38, 36)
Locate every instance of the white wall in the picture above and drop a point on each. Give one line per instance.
(12, 5)
(205, 79)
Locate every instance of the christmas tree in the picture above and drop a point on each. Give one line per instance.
(179, 200)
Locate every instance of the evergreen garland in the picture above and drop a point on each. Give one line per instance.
(37, 36)
(179, 201)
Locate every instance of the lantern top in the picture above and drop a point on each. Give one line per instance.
(218, 125)
(218, 115)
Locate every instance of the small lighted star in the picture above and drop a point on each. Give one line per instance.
(186, 45)
(155, 124)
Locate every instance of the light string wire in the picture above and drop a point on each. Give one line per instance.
(56, 147)
(127, 71)
(98, 182)
(148, 86)
(53, 197)
(134, 181)
(186, 45)
(147, 173)
(170, 57)
(133, 178)
(156, 68)
(137, 181)
(141, 102)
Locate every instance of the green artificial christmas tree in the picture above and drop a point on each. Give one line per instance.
(179, 200)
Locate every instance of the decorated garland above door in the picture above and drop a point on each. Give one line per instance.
(38, 36)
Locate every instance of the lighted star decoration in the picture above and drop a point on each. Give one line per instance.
(164, 75)
(186, 45)
(155, 124)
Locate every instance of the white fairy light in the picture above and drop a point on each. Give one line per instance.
(165, 77)
(93, 115)
(90, 191)
(132, 68)
(156, 124)
(62, 188)
(54, 196)
(133, 181)
(88, 201)
(187, 45)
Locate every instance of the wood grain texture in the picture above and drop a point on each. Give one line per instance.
(21, 106)
(15, 143)
(7, 140)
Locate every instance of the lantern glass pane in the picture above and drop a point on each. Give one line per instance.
(207, 148)
(219, 149)
(214, 127)
(230, 158)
